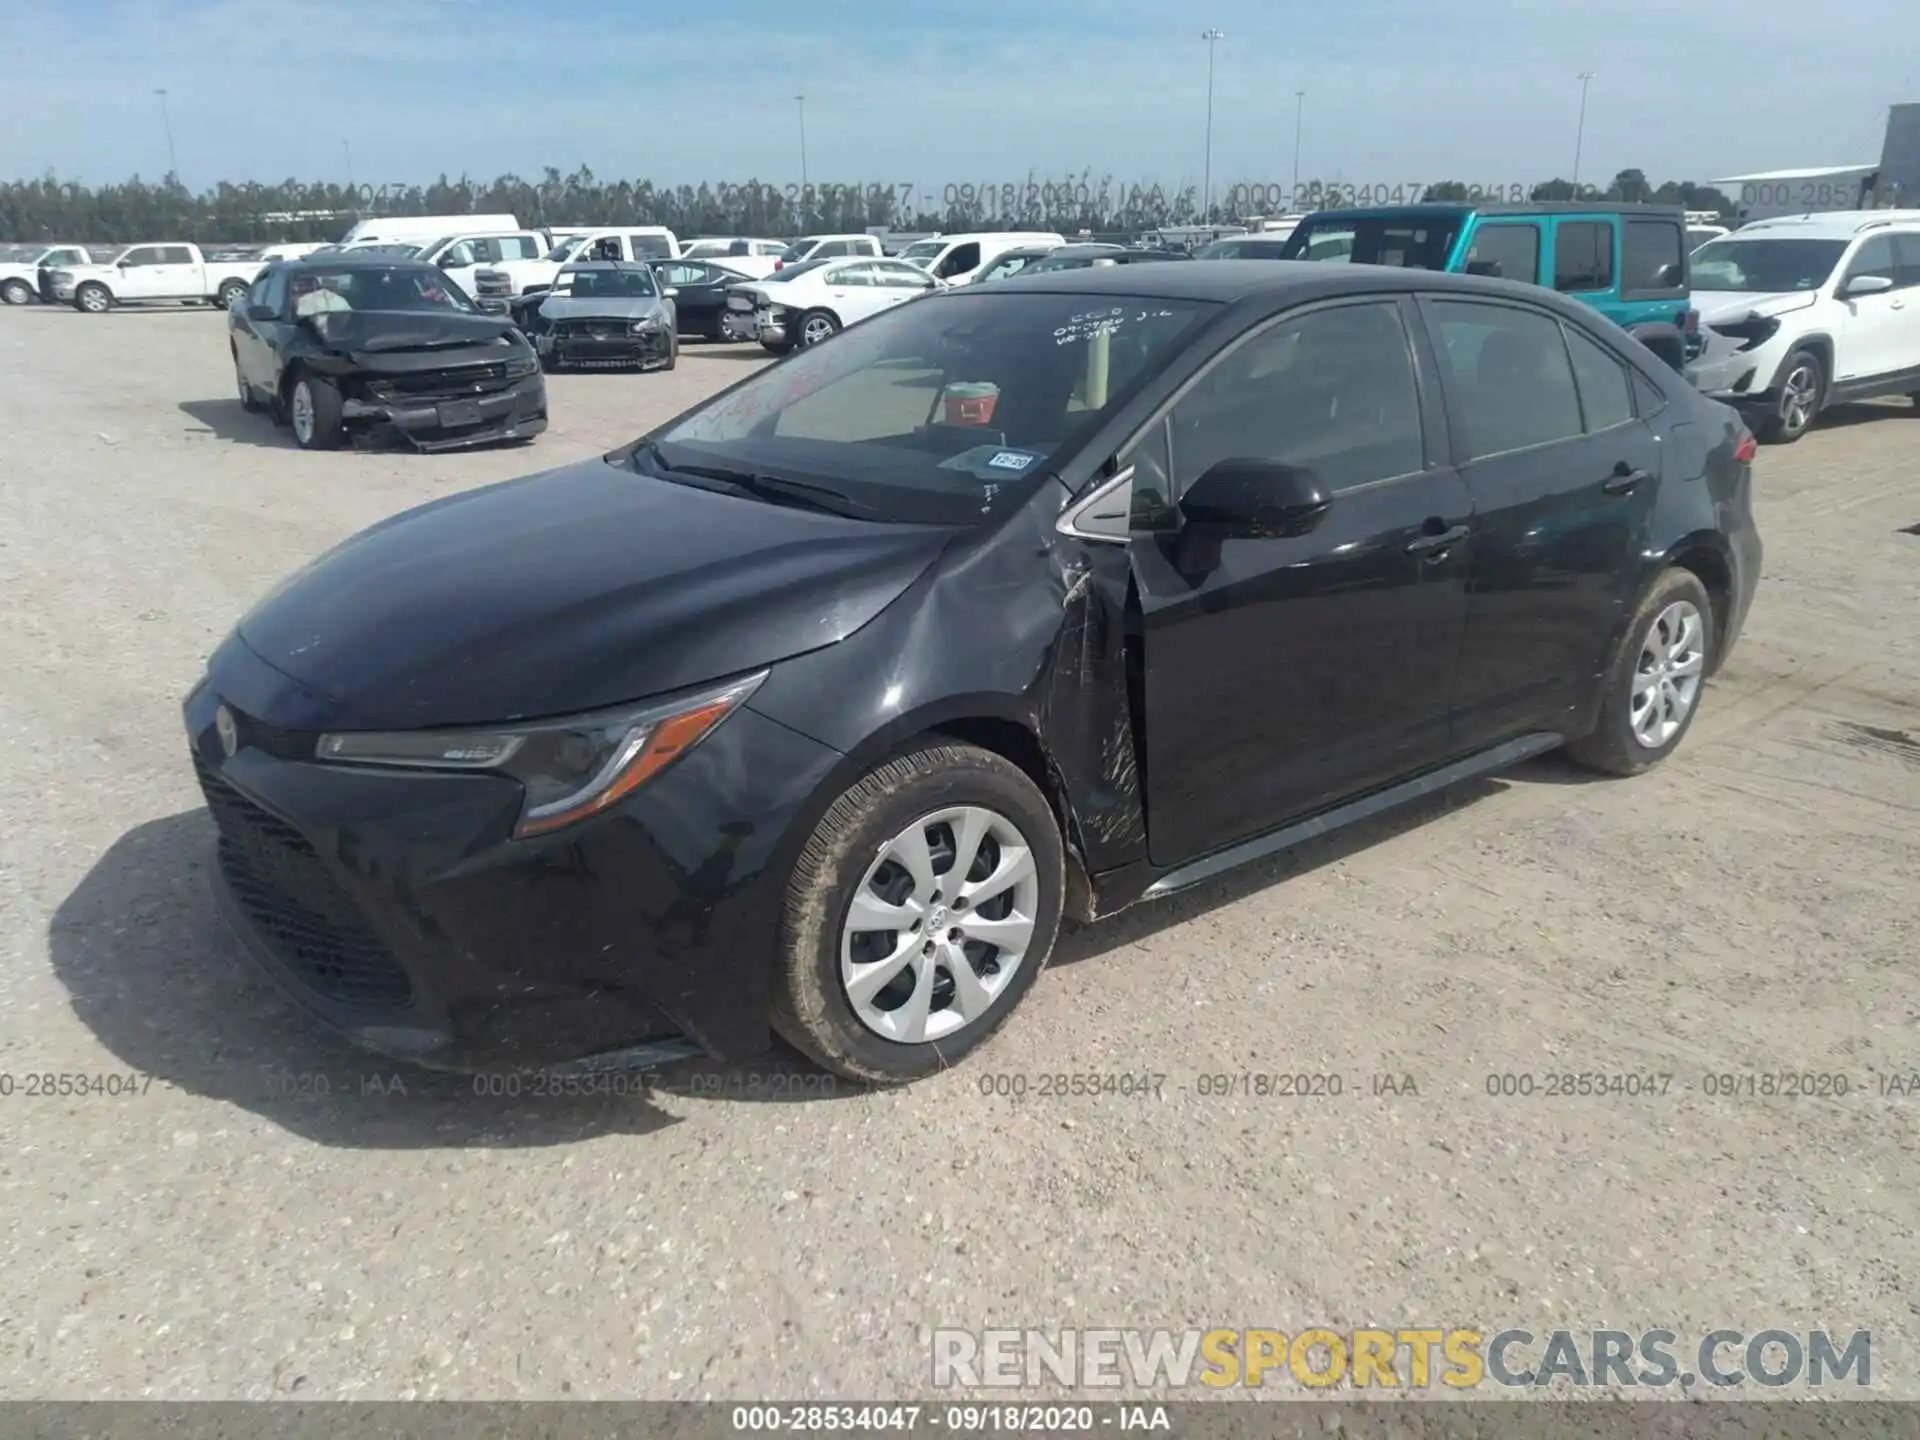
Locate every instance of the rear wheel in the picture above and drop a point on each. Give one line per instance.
(1802, 388)
(313, 409)
(917, 917)
(1655, 681)
(16, 292)
(817, 325)
(231, 293)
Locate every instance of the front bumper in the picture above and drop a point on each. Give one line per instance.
(449, 422)
(394, 906)
(611, 346)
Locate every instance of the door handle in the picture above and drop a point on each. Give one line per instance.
(1623, 479)
(1435, 545)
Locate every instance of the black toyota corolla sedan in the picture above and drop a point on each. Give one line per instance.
(815, 709)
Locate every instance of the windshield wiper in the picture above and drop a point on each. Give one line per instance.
(774, 488)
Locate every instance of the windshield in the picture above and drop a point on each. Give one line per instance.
(939, 412)
(621, 284)
(1009, 264)
(375, 287)
(1241, 249)
(1767, 266)
(1411, 244)
(651, 247)
(564, 250)
(922, 251)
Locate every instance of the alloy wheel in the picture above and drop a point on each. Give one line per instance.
(1666, 678)
(93, 300)
(301, 413)
(817, 328)
(1798, 394)
(940, 924)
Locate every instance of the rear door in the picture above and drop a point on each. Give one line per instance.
(1563, 475)
(1283, 675)
(180, 275)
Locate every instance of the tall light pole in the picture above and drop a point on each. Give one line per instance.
(801, 101)
(1585, 77)
(1299, 115)
(173, 165)
(346, 149)
(1206, 198)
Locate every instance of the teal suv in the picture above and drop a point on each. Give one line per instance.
(1629, 262)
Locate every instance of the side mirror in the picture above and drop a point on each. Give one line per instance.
(1865, 285)
(1242, 499)
(262, 312)
(671, 292)
(1255, 499)
(122, 264)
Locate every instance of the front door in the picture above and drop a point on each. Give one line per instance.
(1283, 675)
(1878, 332)
(142, 273)
(1563, 474)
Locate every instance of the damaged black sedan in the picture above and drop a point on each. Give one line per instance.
(816, 708)
(344, 348)
(601, 314)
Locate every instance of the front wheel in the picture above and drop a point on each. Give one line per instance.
(1655, 681)
(93, 298)
(1801, 391)
(919, 914)
(16, 292)
(313, 409)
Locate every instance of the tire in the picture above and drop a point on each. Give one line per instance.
(16, 292)
(851, 852)
(1616, 746)
(93, 298)
(816, 326)
(249, 401)
(1803, 378)
(316, 418)
(673, 353)
(231, 293)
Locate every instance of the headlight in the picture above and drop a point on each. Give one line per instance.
(647, 326)
(522, 365)
(571, 768)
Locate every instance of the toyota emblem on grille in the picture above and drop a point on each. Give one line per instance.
(229, 732)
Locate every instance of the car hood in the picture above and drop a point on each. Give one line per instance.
(611, 307)
(372, 331)
(1738, 304)
(566, 591)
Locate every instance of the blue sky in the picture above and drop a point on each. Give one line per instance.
(898, 90)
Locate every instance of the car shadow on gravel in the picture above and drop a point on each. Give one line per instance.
(227, 421)
(1144, 921)
(151, 968)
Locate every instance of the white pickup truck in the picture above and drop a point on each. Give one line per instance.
(151, 275)
(20, 268)
(616, 242)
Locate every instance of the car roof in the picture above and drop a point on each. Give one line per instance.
(598, 265)
(1831, 224)
(352, 260)
(1230, 281)
(1448, 210)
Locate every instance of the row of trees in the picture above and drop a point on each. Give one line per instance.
(52, 209)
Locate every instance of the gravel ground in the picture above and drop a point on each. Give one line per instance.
(226, 1232)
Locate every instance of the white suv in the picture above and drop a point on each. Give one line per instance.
(1803, 311)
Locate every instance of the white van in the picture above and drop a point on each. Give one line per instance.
(954, 258)
(419, 229)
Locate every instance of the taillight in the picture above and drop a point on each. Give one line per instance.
(1693, 322)
(1748, 447)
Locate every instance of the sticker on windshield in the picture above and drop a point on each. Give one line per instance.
(1010, 460)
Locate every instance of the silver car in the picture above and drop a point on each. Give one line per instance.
(602, 313)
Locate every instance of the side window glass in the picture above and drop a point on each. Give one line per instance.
(1510, 372)
(458, 255)
(1647, 399)
(1906, 255)
(177, 255)
(1152, 509)
(1582, 256)
(140, 255)
(1650, 255)
(275, 295)
(960, 259)
(1511, 252)
(1333, 391)
(1874, 258)
(858, 275)
(1605, 399)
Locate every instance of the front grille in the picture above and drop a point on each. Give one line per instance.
(283, 887)
(464, 380)
(595, 329)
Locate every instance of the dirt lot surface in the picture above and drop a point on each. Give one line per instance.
(266, 1216)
